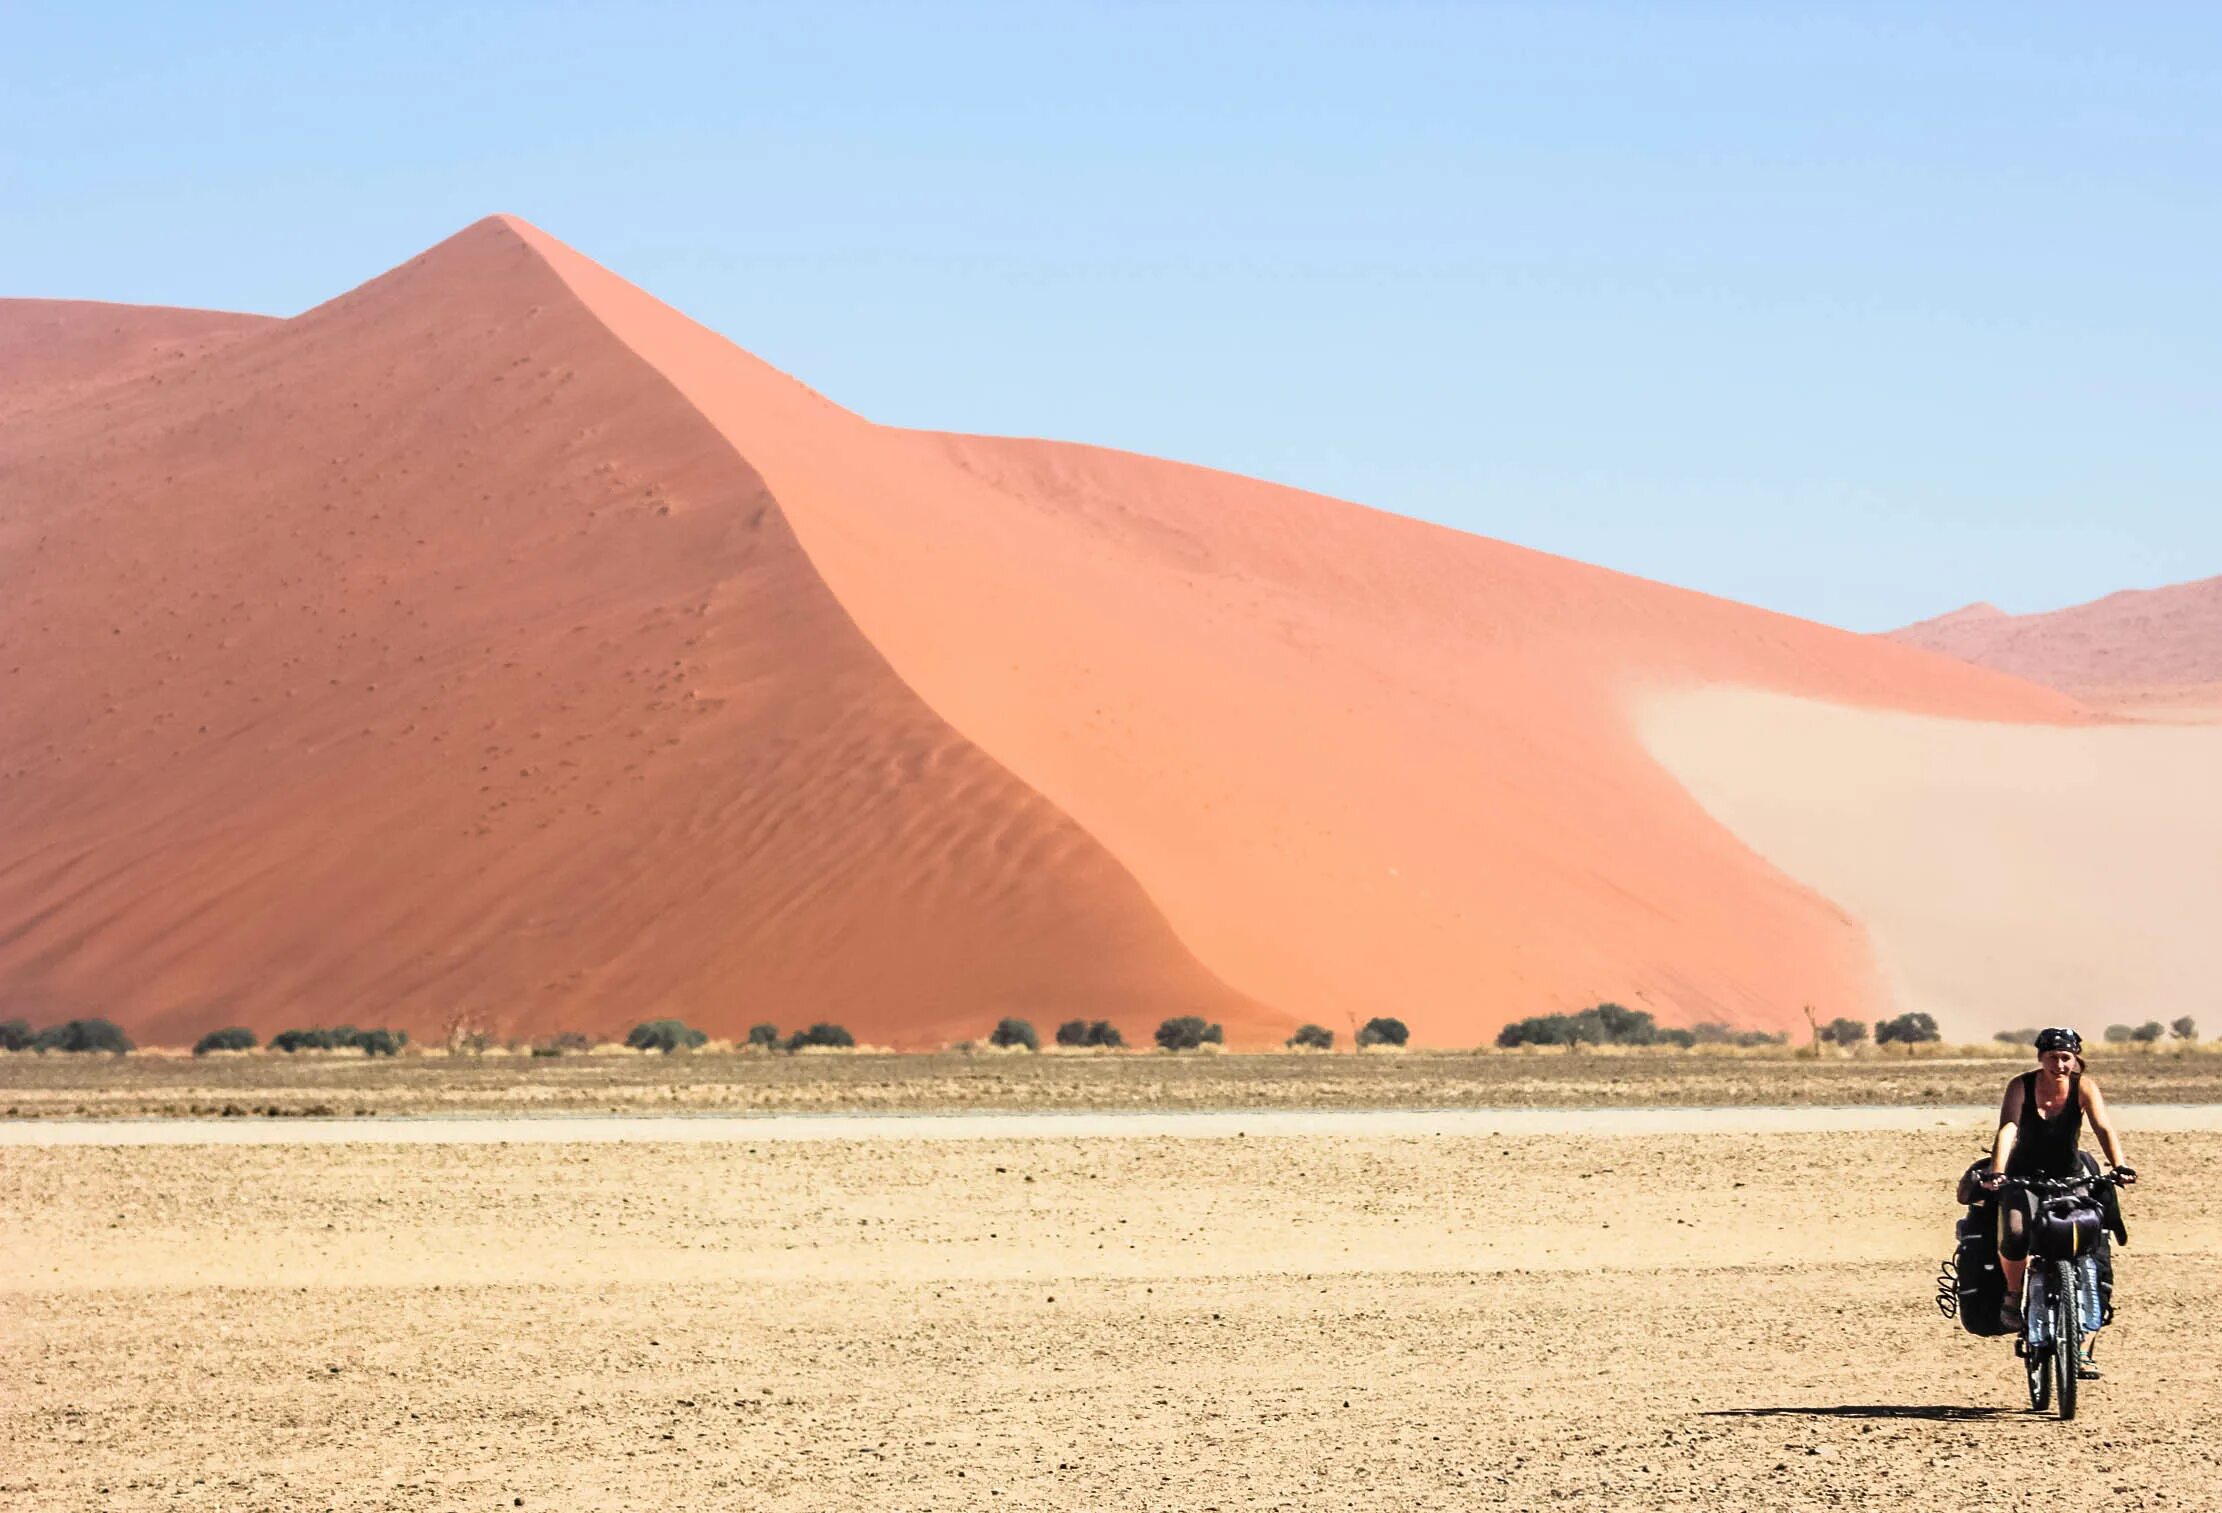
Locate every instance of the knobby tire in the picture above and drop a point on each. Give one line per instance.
(2067, 1334)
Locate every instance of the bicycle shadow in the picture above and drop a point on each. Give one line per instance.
(1944, 1413)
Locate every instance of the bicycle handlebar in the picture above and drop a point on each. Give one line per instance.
(2082, 1181)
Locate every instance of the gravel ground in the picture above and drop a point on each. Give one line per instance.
(1322, 1322)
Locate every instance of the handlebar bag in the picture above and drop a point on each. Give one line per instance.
(2066, 1226)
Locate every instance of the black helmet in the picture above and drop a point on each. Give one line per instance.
(2059, 1039)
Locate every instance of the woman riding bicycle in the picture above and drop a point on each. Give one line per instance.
(2039, 1125)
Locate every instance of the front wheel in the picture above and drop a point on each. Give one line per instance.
(2036, 1362)
(2067, 1334)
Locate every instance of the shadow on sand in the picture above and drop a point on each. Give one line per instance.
(1934, 1412)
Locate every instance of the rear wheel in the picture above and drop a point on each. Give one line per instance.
(2067, 1334)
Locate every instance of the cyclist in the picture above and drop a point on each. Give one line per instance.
(2039, 1125)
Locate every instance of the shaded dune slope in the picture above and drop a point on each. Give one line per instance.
(426, 660)
(53, 351)
(2136, 646)
(1362, 764)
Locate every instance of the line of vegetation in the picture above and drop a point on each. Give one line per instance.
(1605, 1024)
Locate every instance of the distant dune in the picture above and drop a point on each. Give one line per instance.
(2137, 647)
(494, 645)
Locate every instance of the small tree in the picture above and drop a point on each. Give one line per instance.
(380, 1042)
(1188, 1032)
(1104, 1034)
(1844, 1032)
(2119, 1034)
(1009, 1033)
(234, 1039)
(765, 1035)
(1907, 1029)
(2185, 1028)
(820, 1034)
(15, 1035)
(1311, 1037)
(665, 1036)
(2148, 1032)
(1383, 1032)
(1073, 1032)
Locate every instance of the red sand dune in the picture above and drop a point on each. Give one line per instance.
(2137, 646)
(495, 644)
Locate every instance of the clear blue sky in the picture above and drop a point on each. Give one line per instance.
(1857, 314)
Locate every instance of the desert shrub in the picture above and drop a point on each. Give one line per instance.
(665, 1036)
(1711, 1032)
(80, 1036)
(1187, 1032)
(1311, 1037)
(1383, 1032)
(2016, 1037)
(2185, 1028)
(820, 1034)
(1683, 1038)
(1073, 1032)
(1009, 1033)
(1606, 1024)
(15, 1034)
(340, 1038)
(1090, 1032)
(2147, 1033)
(765, 1035)
(1538, 1029)
(1844, 1031)
(1907, 1029)
(2118, 1034)
(1751, 1039)
(234, 1039)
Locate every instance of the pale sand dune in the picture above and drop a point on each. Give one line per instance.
(2008, 875)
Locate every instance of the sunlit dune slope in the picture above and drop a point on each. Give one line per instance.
(427, 660)
(2136, 648)
(1363, 764)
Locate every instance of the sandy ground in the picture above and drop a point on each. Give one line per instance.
(2061, 871)
(350, 1086)
(1320, 1322)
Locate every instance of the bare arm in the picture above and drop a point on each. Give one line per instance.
(2009, 1123)
(2102, 1124)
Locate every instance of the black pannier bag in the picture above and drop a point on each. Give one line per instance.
(1972, 1285)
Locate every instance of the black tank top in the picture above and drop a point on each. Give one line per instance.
(2047, 1147)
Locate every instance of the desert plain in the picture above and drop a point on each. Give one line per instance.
(1662, 1309)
